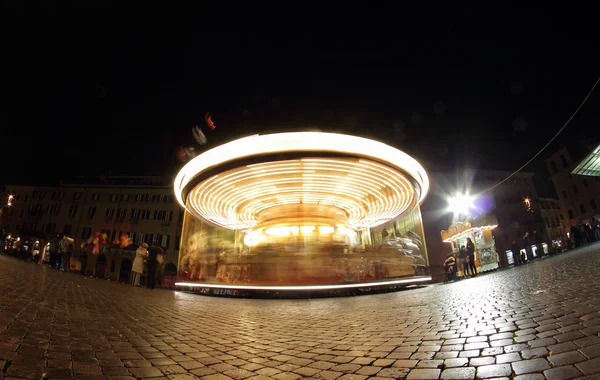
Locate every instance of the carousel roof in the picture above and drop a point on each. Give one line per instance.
(369, 181)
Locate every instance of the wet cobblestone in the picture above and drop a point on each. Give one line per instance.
(538, 321)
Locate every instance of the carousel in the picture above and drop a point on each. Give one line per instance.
(302, 210)
(479, 229)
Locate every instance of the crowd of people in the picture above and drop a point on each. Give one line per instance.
(585, 233)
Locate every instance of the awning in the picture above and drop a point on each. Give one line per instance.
(590, 165)
(458, 230)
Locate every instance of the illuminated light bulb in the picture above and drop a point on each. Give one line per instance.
(278, 231)
(307, 229)
(325, 230)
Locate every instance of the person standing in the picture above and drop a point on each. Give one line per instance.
(471, 251)
(53, 248)
(2, 240)
(138, 264)
(67, 257)
(463, 256)
(527, 245)
(153, 253)
(516, 252)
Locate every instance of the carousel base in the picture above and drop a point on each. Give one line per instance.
(308, 291)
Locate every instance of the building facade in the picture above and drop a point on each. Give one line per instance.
(553, 218)
(579, 195)
(141, 207)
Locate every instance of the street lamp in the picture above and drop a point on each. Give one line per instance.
(460, 204)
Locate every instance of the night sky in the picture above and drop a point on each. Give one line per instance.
(95, 89)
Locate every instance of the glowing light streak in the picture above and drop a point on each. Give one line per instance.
(414, 280)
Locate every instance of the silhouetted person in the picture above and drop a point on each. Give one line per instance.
(152, 260)
(516, 251)
(471, 251)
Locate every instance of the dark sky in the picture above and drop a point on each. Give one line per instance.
(95, 88)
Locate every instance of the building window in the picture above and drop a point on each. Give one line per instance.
(146, 214)
(116, 235)
(167, 218)
(53, 195)
(121, 215)
(108, 214)
(575, 188)
(554, 167)
(571, 216)
(95, 196)
(76, 195)
(91, 212)
(150, 198)
(139, 197)
(61, 195)
(42, 194)
(593, 204)
(582, 209)
(124, 197)
(114, 197)
(86, 232)
(135, 215)
(564, 194)
(564, 160)
(562, 217)
(164, 241)
(177, 242)
(585, 183)
(141, 239)
(73, 210)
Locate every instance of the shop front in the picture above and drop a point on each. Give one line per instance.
(479, 229)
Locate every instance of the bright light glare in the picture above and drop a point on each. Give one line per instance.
(461, 204)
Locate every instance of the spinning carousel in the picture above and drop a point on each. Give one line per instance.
(303, 210)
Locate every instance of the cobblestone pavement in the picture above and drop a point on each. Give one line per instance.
(541, 320)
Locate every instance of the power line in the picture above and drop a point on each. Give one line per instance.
(545, 146)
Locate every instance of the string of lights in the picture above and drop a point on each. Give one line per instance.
(545, 146)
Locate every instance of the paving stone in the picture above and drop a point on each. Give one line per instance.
(565, 358)
(529, 366)
(589, 367)
(494, 370)
(456, 362)
(560, 373)
(395, 373)
(539, 352)
(368, 370)
(530, 376)
(484, 360)
(419, 373)
(458, 373)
